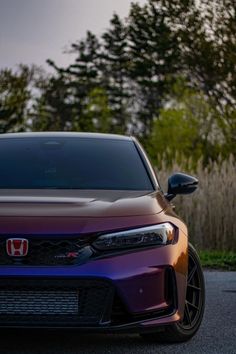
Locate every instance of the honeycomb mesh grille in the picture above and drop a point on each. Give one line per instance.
(38, 302)
(61, 302)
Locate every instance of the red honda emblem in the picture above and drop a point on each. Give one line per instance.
(17, 247)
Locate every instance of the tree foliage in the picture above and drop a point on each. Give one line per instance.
(15, 95)
(188, 127)
(155, 58)
(115, 72)
(165, 73)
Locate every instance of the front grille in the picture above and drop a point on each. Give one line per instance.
(47, 302)
(38, 302)
(57, 251)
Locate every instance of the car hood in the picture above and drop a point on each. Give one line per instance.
(58, 212)
(80, 203)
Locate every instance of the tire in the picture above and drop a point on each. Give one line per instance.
(194, 306)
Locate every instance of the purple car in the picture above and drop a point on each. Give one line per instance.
(88, 239)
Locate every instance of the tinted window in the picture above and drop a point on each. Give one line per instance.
(77, 163)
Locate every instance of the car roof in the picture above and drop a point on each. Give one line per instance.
(65, 135)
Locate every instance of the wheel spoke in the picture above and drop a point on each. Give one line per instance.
(194, 287)
(191, 273)
(192, 305)
(187, 313)
(194, 299)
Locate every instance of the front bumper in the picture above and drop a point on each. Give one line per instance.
(136, 291)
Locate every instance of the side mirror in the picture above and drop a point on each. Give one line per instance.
(180, 183)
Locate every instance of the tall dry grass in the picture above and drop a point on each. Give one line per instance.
(210, 212)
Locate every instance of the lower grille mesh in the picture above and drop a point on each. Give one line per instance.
(38, 302)
(55, 302)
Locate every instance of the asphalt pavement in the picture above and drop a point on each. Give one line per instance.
(216, 335)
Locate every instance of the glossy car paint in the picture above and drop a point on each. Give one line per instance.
(138, 275)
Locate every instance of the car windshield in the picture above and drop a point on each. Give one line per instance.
(71, 163)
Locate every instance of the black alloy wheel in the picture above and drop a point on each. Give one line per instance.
(194, 295)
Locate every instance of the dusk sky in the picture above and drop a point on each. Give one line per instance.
(32, 31)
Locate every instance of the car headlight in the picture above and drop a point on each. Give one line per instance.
(161, 234)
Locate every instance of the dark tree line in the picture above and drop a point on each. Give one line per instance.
(123, 81)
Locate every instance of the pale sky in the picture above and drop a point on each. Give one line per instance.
(32, 31)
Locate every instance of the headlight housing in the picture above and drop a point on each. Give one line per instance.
(155, 235)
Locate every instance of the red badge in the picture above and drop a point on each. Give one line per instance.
(17, 247)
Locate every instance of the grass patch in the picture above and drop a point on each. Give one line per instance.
(218, 259)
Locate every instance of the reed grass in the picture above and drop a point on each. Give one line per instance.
(210, 212)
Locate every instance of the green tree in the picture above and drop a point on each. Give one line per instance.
(64, 95)
(52, 108)
(187, 128)
(82, 77)
(155, 58)
(15, 98)
(129, 75)
(115, 73)
(97, 112)
(206, 32)
(206, 35)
